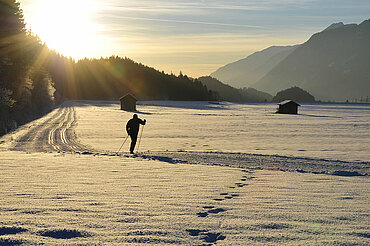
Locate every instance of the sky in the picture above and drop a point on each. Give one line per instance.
(192, 36)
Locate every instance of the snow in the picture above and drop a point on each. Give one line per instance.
(63, 182)
(109, 198)
(323, 131)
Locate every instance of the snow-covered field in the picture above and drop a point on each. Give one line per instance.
(206, 174)
(325, 131)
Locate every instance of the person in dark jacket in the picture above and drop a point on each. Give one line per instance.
(132, 128)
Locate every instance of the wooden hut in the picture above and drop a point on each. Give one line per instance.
(288, 107)
(128, 102)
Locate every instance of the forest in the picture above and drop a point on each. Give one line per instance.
(34, 78)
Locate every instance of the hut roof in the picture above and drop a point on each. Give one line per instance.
(288, 102)
(128, 95)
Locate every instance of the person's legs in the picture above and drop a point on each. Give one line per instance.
(133, 143)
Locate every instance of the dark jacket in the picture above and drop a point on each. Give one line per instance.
(132, 126)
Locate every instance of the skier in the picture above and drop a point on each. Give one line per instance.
(132, 128)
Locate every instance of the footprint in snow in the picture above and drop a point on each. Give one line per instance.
(206, 236)
(240, 184)
(208, 207)
(63, 234)
(11, 230)
(218, 199)
(195, 232)
(213, 237)
(211, 211)
(216, 210)
(202, 214)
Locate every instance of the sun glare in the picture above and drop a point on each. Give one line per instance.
(66, 26)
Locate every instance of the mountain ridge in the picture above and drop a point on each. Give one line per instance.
(229, 93)
(257, 65)
(331, 65)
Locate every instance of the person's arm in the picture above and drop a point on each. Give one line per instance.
(128, 127)
(142, 122)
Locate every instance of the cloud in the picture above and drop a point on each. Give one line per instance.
(206, 31)
(192, 22)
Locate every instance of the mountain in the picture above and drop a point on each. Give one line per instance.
(225, 92)
(332, 64)
(294, 93)
(228, 93)
(255, 95)
(334, 26)
(249, 70)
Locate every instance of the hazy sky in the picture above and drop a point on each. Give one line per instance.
(194, 36)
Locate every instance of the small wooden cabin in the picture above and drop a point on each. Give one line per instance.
(128, 102)
(288, 107)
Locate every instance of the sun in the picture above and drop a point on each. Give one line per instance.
(66, 26)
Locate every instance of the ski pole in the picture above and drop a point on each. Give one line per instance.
(138, 146)
(122, 144)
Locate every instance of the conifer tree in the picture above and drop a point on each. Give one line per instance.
(12, 40)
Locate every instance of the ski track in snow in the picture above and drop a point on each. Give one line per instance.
(240, 208)
(270, 162)
(56, 132)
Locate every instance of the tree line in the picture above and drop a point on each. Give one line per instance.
(110, 78)
(25, 86)
(33, 78)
